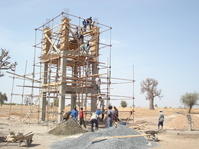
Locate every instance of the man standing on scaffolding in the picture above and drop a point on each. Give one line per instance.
(85, 48)
(101, 105)
(84, 24)
(98, 83)
(89, 22)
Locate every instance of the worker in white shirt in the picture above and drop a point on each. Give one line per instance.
(93, 121)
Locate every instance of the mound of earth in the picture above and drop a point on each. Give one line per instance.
(70, 127)
(180, 122)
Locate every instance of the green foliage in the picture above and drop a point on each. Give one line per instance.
(11, 104)
(3, 98)
(190, 99)
(5, 63)
(123, 104)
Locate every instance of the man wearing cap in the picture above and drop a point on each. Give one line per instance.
(161, 120)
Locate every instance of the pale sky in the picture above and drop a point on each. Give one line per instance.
(160, 37)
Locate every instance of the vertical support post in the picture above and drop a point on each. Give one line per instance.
(95, 70)
(73, 95)
(62, 87)
(133, 96)
(64, 45)
(43, 95)
(93, 95)
(45, 48)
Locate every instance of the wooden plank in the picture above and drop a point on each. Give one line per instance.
(118, 137)
(22, 76)
(57, 50)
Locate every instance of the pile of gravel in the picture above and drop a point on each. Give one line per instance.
(70, 127)
(85, 141)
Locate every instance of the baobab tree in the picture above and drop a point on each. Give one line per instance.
(5, 63)
(149, 87)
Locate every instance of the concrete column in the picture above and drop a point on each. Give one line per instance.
(95, 70)
(62, 88)
(74, 96)
(94, 98)
(73, 100)
(42, 114)
(64, 46)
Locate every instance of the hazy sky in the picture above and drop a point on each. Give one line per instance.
(160, 37)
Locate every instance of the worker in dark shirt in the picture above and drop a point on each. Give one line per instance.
(161, 120)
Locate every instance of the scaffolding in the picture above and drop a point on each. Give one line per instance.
(70, 67)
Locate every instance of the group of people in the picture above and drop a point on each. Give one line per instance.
(88, 23)
(110, 119)
(84, 46)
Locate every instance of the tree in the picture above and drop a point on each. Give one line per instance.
(5, 63)
(3, 98)
(123, 104)
(190, 99)
(149, 87)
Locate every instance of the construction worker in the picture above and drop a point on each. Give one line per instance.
(161, 120)
(115, 116)
(94, 121)
(100, 105)
(109, 119)
(85, 48)
(66, 115)
(77, 32)
(98, 112)
(84, 24)
(81, 118)
(89, 22)
(98, 83)
(93, 24)
(81, 38)
(101, 101)
(74, 113)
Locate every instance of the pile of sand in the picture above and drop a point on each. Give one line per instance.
(179, 122)
(195, 119)
(70, 127)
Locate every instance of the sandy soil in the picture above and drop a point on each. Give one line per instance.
(176, 140)
(41, 139)
(175, 136)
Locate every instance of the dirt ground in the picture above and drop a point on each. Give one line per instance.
(174, 140)
(175, 135)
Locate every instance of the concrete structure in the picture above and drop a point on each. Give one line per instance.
(70, 64)
(74, 67)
